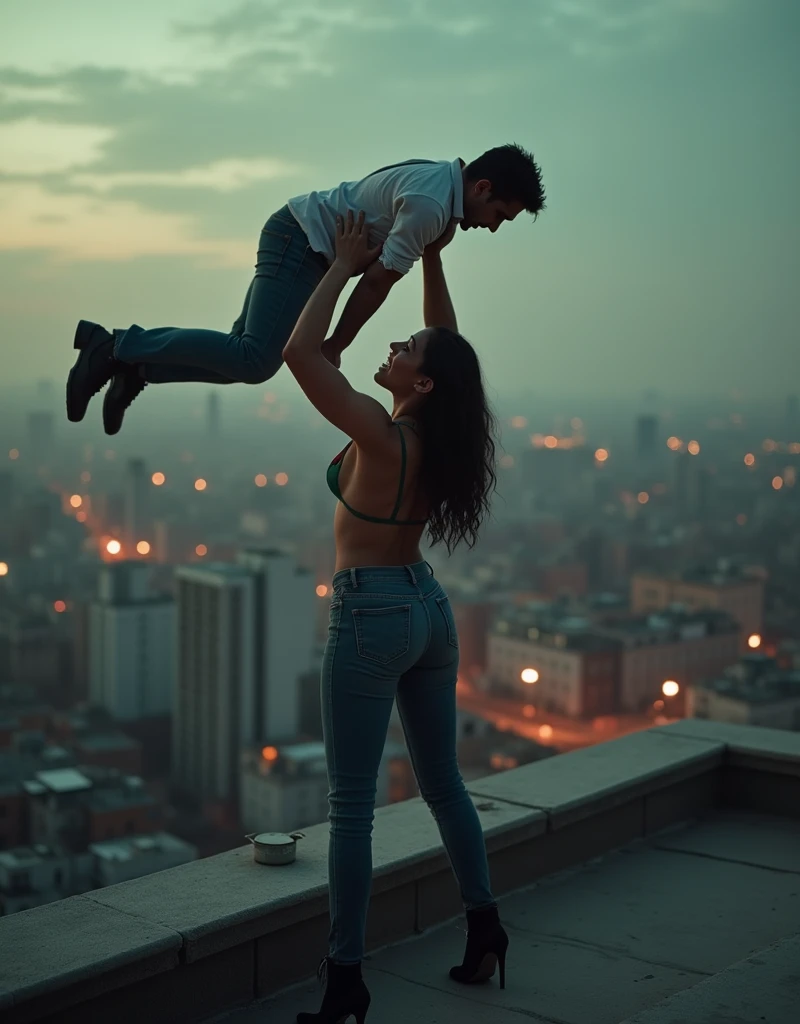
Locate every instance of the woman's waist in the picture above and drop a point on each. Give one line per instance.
(389, 576)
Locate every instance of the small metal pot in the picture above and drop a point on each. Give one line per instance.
(274, 847)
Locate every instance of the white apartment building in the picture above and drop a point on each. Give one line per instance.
(131, 644)
(245, 637)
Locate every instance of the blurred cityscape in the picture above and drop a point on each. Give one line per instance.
(164, 602)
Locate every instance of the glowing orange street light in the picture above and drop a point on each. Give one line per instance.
(113, 547)
(670, 688)
(200, 484)
(322, 590)
(643, 497)
(749, 459)
(601, 455)
(269, 753)
(80, 515)
(60, 606)
(3, 568)
(551, 441)
(693, 448)
(673, 443)
(158, 479)
(545, 731)
(754, 641)
(777, 483)
(201, 550)
(143, 547)
(529, 675)
(76, 501)
(261, 480)
(281, 479)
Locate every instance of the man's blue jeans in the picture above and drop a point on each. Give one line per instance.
(287, 272)
(391, 635)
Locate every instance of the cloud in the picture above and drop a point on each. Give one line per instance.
(611, 28)
(10, 93)
(219, 176)
(83, 228)
(32, 147)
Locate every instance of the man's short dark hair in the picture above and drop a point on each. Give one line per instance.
(514, 174)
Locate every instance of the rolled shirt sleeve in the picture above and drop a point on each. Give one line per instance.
(419, 220)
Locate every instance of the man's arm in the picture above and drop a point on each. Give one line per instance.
(367, 298)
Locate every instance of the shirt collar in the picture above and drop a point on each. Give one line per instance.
(456, 169)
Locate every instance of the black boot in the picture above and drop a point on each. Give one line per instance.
(487, 943)
(345, 994)
(125, 386)
(93, 368)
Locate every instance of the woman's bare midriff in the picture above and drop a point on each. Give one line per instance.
(370, 485)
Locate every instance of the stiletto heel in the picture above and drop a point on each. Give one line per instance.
(487, 943)
(345, 994)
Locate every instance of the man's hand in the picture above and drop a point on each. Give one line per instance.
(446, 237)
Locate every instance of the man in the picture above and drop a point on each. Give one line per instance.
(407, 206)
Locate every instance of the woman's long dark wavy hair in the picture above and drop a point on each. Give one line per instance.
(457, 472)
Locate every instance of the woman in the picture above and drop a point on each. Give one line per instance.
(392, 633)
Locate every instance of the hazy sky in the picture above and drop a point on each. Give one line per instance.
(142, 147)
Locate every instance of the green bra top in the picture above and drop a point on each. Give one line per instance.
(332, 477)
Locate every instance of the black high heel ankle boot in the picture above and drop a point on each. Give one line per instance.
(345, 994)
(487, 943)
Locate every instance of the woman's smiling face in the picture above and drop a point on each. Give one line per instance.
(402, 367)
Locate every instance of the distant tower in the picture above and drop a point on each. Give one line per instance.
(646, 437)
(137, 518)
(792, 417)
(45, 392)
(41, 435)
(212, 415)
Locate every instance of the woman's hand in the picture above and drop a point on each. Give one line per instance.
(353, 253)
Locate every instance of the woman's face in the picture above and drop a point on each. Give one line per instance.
(402, 369)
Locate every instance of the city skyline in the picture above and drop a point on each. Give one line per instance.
(141, 153)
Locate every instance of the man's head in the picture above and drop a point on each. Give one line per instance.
(499, 185)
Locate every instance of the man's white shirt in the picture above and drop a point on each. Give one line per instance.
(407, 206)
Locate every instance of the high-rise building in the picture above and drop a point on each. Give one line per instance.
(245, 639)
(41, 435)
(691, 486)
(792, 418)
(131, 644)
(137, 519)
(285, 610)
(212, 415)
(6, 506)
(646, 437)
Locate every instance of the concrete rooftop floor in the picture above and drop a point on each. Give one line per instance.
(610, 940)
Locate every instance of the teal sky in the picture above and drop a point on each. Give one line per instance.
(143, 146)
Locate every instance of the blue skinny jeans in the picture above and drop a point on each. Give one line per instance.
(391, 636)
(287, 272)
